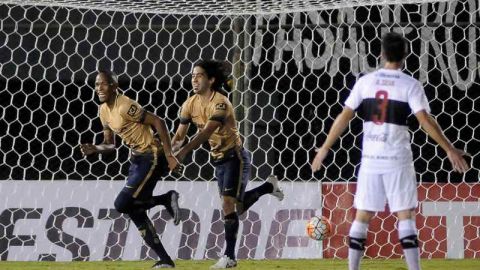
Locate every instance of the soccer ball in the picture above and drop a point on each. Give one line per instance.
(319, 228)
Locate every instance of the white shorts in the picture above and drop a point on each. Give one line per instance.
(398, 188)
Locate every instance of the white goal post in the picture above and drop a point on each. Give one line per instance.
(293, 64)
(213, 7)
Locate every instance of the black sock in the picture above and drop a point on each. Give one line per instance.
(149, 235)
(231, 230)
(144, 205)
(253, 195)
(163, 199)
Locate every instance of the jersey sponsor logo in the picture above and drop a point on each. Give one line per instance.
(132, 110)
(376, 137)
(221, 106)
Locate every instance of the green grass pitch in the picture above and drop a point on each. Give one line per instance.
(327, 264)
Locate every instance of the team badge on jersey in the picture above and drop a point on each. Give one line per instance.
(132, 111)
(221, 106)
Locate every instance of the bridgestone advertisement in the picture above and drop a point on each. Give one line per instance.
(75, 220)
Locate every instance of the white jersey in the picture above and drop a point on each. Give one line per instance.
(384, 99)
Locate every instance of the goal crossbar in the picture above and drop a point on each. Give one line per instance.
(212, 7)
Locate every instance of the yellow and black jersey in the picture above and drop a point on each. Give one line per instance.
(126, 120)
(218, 108)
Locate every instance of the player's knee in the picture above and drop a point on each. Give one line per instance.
(364, 216)
(123, 203)
(406, 214)
(357, 235)
(407, 233)
(228, 205)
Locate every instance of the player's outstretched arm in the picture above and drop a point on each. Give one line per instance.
(179, 137)
(200, 138)
(107, 146)
(161, 128)
(337, 129)
(455, 156)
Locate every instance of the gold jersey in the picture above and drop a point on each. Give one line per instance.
(126, 120)
(218, 108)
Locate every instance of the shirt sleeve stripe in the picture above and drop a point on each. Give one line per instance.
(185, 121)
(220, 119)
(142, 117)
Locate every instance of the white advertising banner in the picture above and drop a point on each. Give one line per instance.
(76, 220)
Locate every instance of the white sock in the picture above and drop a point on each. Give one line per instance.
(407, 233)
(357, 235)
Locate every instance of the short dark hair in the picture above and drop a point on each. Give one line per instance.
(394, 47)
(215, 69)
(112, 77)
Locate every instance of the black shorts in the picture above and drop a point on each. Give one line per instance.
(145, 170)
(233, 173)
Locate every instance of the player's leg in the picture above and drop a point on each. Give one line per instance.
(269, 187)
(150, 236)
(401, 188)
(357, 237)
(407, 233)
(231, 224)
(231, 186)
(131, 200)
(369, 198)
(169, 199)
(141, 166)
(149, 233)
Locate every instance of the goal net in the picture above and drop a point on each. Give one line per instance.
(293, 64)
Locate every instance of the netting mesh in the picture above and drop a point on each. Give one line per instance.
(291, 73)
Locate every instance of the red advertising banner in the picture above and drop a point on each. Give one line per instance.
(448, 222)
